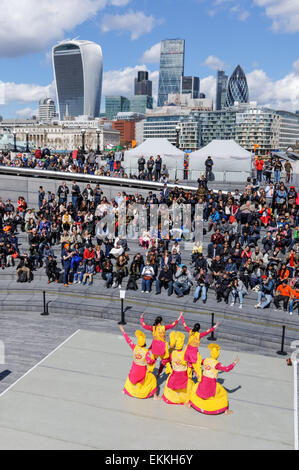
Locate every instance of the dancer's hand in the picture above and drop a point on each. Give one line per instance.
(142, 314)
(237, 360)
(121, 328)
(217, 324)
(181, 314)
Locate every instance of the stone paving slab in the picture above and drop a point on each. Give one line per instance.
(73, 400)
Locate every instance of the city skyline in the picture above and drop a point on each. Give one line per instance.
(129, 33)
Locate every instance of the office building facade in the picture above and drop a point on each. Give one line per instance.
(78, 70)
(288, 129)
(143, 86)
(115, 105)
(172, 61)
(222, 82)
(46, 110)
(140, 103)
(190, 86)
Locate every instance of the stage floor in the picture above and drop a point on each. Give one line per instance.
(73, 400)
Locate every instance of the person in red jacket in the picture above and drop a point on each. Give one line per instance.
(259, 167)
(38, 153)
(89, 254)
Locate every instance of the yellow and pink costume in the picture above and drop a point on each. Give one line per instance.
(179, 383)
(191, 352)
(159, 345)
(140, 383)
(208, 396)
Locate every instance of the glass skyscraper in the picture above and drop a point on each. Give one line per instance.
(143, 86)
(190, 86)
(237, 89)
(222, 80)
(78, 70)
(115, 105)
(172, 61)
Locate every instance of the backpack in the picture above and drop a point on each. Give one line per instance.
(22, 276)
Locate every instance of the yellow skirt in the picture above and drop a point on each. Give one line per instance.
(177, 397)
(145, 389)
(211, 406)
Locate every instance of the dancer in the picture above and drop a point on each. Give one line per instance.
(140, 383)
(191, 352)
(159, 346)
(208, 396)
(179, 383)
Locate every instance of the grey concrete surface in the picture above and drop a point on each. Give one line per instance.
(73, 400)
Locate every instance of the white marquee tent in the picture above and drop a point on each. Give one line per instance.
(227, 155)
(171, 156)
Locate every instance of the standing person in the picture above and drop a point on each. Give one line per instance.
(288, 169)
(141, 383)
(209, 166)
(159, 346)
(277, 166)
(141, 164)
(208, 396)
(259, 163)
(191, 352)
(75, 194)
(179, 385)
(158, 167)
(41, 196)
(150, 167)
(67, 259)
(63, 192)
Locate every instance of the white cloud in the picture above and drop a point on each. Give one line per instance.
(152, 55)
(119, 3)
(121, 82)
(208, 86)
(136, 23)
(279, 94)
(26, 93)
(283, 13)
(32, 25)
(27, 112)
(214, 63)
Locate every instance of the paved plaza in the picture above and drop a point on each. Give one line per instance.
(73, 400)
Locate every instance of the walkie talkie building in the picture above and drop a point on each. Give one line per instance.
(78, 71)
(237, 89)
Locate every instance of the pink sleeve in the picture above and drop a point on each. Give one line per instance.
(129, 341)
(168, 327)
(206, 333)
(185, 326)
(219, 366)
(146, 327)
(149, 359)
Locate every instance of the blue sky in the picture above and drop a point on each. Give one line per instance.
(260, 35)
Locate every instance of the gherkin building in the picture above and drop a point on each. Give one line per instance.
(237, 89)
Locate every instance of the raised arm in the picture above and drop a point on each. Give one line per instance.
(146, 327)
(128, 340)
(172, 325)
(219, 366)
(206, 333)
(185, 324)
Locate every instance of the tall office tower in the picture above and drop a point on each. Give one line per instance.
(78, 70)
(172, 61)
(222, 81)
(143, 86)
(46, 110)
(115, 105)
(237, 89)
(190, 85)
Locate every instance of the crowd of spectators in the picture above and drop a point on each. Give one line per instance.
(89, 163)
(252, 247)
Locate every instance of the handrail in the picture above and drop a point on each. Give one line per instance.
(78, 177)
